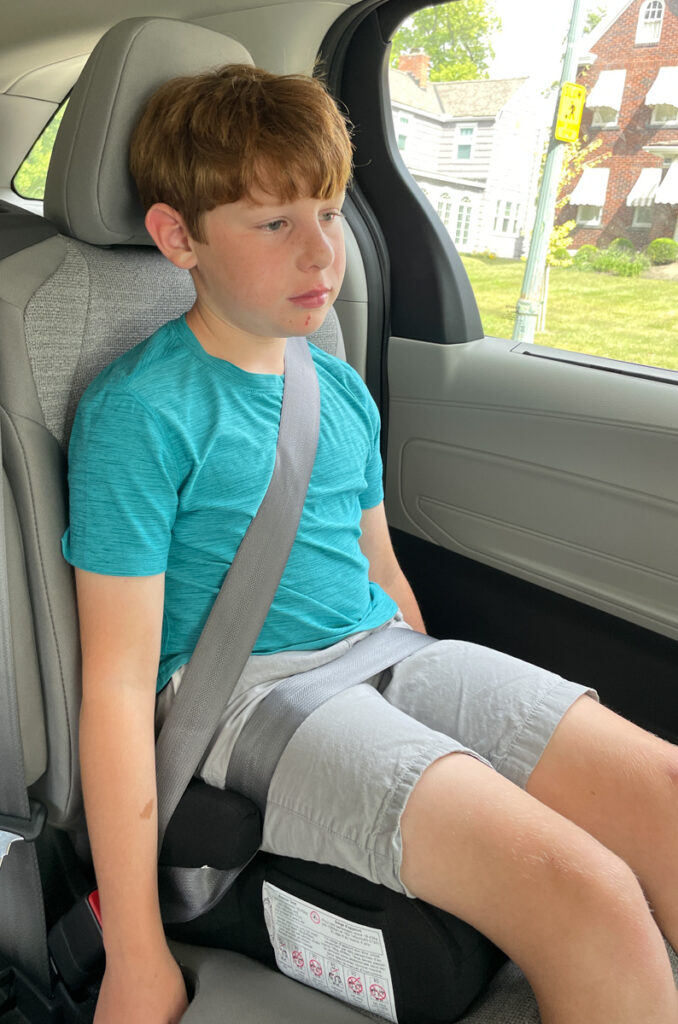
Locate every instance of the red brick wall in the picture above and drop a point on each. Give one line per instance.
(623, 145)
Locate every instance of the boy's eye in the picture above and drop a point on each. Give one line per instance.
(273, 225)
(330, 215)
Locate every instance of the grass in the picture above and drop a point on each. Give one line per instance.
(634, 319)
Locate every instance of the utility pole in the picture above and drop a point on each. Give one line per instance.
(527, 308)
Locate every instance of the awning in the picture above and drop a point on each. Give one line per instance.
(664, 89)
(668, 190)
(643, 192)
(591, 188)
(608, 90)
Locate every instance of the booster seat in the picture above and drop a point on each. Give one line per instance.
(69, 303)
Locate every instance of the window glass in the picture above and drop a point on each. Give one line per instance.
(465, 144)
(650, 22)
(589, 215)
(444, 208)
(664, 113)
(482, 126)
(463, 226)
(29, 180)
(642, 216)
(604, 116)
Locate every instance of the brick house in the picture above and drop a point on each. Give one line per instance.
(631, 77)
(474, 150)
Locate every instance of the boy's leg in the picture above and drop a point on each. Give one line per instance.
(620, 784)
(565, 908)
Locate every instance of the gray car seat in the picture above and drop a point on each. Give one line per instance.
(76, 289)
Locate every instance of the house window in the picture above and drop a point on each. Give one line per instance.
(642, 216)
(650, 22)
(604, 117)
(506, 217)
(401, 124)
(664, 113)
(463, 223)
(589, 216)
(445, 207)
(605, 98)
(465, 142)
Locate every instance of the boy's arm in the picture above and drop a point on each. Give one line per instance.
(376, 545)
(121, 625)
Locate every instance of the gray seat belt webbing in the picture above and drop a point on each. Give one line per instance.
(274, 721)
(243, 602)
(23, 937)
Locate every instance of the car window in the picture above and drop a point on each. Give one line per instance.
(29, 180)
(472, 120)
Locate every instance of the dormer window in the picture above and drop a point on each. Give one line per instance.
(650, 22)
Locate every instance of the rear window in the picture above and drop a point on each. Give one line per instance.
(29, 180)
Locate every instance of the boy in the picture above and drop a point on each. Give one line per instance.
(553, 812)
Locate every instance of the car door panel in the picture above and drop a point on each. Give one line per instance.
(553, 472)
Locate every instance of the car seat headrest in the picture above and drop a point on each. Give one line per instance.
(90, 193)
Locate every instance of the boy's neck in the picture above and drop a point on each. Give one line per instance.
(253, 354)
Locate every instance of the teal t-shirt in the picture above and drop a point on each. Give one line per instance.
(171, 453)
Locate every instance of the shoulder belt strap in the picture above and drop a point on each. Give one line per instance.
(245, 597)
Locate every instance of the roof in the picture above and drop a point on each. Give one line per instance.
(406, 90)
(482, 98)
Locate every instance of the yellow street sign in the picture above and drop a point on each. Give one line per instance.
(570, 110)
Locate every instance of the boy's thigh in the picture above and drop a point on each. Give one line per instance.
(343, 781)
(504, 709)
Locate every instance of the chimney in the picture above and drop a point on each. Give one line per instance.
(417, 64)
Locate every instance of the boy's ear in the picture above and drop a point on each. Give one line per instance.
(168, 230)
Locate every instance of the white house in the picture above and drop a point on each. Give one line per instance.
(475, 151)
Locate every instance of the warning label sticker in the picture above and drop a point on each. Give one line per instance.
(327, 952)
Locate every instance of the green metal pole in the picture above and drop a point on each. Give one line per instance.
(527, 308)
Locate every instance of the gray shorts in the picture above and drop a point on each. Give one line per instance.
(342, 783)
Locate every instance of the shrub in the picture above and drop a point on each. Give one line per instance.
(621, 245)
(586, 257)
(621, 262)
(560, 257)
(662, 250)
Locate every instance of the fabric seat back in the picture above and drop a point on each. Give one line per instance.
(76, 291)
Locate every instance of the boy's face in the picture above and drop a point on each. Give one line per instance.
(269, 268)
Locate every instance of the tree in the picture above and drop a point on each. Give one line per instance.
(30, 178)
(592, 19)
(455, 36)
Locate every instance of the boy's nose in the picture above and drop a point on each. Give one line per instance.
(316, 250)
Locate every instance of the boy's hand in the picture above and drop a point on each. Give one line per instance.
(151, 991)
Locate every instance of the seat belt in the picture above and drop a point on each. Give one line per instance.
(277, 717)
(23, 937)
(226, 643)
(243, 602)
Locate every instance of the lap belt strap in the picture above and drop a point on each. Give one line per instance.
(277, 717)
(245, 597)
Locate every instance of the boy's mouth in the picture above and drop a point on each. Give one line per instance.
(311, 300)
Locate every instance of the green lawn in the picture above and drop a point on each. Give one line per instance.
(635, 319)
